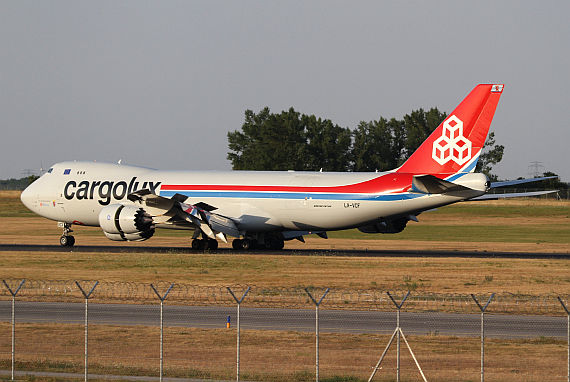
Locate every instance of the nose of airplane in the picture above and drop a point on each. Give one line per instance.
(28, 197)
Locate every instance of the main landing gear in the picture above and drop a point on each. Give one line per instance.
(66, 240)
(269, 242)
(204, 244)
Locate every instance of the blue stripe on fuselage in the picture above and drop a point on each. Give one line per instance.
(465, 171)
(288, 195)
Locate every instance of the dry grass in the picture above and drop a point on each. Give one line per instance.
(289, 356)
(438, 275)
(322, 268)
(276, 356)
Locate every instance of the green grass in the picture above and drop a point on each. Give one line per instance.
(510, 210)
(470, 233)
(11, 206)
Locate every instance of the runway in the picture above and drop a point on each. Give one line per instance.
(288, 252)
(332, 321)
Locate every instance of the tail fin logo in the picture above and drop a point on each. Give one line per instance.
(452, 145)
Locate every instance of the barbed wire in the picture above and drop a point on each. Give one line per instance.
(279, 297)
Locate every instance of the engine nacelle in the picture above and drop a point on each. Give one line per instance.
(388, 226)
(139, 236)
(126, 222)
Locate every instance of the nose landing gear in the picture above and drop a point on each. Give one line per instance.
(66, 240)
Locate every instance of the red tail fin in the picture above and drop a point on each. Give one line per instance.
(456, 144)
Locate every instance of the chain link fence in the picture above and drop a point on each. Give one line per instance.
(526, 336)
(278, 297)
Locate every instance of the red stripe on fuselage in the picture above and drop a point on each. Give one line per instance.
(389, 183)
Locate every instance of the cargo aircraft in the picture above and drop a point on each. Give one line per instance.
(264, 209)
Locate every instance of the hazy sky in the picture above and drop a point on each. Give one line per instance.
(161, 83)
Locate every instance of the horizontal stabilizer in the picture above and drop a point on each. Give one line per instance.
(511, 195)
(429, 184)
(519, 181)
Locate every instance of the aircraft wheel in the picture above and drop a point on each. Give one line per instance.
(248, 244)
(276, 243)
(204, 244)
(245, 244)
(212, 244)
(236, 244)
(196, 244)
(66, 241)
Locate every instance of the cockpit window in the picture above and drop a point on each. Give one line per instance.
(50, 170)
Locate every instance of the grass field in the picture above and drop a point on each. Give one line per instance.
(517, 225)
(277, 356)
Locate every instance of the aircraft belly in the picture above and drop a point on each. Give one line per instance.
(310, 214)
(329, 215)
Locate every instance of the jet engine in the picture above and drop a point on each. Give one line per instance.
(385, 226)
(126, 222)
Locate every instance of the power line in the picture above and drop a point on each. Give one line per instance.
(535, 169)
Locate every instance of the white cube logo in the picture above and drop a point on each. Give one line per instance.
(452, 145)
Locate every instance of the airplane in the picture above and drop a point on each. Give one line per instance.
(263, 209)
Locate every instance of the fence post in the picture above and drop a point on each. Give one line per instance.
(482, 308)
(398, 331)
(238, 301)
(317, 303)
(568, 335)
(14, 293)
(87, 296)
(162, 298)
(399, 307)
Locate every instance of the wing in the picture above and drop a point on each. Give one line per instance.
(176, 211)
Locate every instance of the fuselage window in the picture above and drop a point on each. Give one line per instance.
(50, 170)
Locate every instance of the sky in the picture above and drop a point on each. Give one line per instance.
(160, 84)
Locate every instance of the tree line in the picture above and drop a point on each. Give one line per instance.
(17, 184)
(293, 141)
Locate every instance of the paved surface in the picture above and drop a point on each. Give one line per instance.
(290, 252)
(337, 321)
(73, 376)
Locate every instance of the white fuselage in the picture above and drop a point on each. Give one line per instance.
(75, 192)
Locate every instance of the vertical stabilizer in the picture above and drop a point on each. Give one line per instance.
(456, 144)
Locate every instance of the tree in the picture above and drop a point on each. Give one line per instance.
(383, 145)
(377, 145)
(293, 141)
(328, 145)
(490, 156)
(289, 141)
(418, 125)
